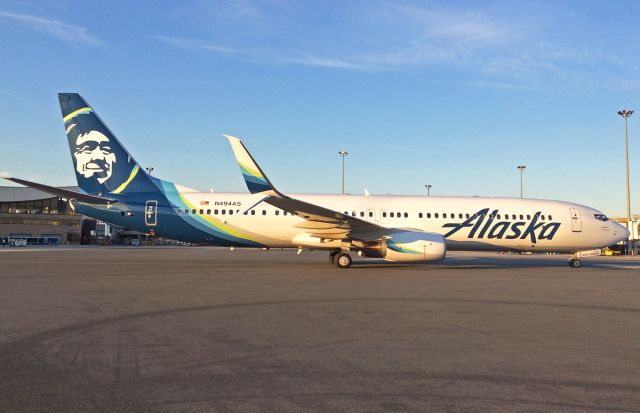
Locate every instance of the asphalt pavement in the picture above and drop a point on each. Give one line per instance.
(208, 329)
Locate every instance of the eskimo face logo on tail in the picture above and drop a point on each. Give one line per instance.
(483, 224)
(94, 156)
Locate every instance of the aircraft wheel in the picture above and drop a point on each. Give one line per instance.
(342, 260)
(575, 263)
(332, 256)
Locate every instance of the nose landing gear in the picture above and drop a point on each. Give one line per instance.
(574, 262)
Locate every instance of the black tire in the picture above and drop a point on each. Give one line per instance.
(342, 260)
(575, 263)
(332, 257)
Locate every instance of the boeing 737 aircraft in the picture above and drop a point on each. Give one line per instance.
(117, 190)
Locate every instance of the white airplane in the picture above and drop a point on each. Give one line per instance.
(116, 189)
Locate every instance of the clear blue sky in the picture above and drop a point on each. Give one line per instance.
(454, 94)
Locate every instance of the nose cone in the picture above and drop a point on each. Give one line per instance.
(620, 233)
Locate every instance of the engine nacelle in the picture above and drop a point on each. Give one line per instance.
(408, 246)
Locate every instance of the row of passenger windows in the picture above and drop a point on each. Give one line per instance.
(362, 214)
(428, 215)
(225, 212)
(498, 216)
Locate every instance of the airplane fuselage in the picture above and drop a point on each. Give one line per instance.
(468, 223)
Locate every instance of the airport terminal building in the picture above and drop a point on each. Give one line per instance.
(32, 217)
(36, 217)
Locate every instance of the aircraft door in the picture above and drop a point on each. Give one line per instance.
(383, 216)
(371, 214)
(151, 213)
(576, 220)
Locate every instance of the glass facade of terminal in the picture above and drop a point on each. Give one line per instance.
(45, 221)
(38, 206)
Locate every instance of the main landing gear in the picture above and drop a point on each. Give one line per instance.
(340, 259)
(574, 262)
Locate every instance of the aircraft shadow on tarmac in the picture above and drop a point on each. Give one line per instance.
(497, 262)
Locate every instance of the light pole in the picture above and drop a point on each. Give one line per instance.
(428, 189)
(149, 169)
(521, 168)
(625, 114)
(343, 154)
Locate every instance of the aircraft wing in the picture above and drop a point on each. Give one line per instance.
(64, 193)
(319, 222)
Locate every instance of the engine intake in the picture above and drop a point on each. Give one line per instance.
(408, 246)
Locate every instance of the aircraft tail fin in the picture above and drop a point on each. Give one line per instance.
(101, 163)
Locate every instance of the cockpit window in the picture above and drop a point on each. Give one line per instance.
(601, 217)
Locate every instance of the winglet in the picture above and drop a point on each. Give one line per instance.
(255, 179)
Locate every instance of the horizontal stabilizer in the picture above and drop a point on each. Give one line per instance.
(64, 193)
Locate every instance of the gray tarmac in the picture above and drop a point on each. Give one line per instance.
(208, 329)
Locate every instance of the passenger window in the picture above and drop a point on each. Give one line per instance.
(467, 215)
(435, 215)
(361, 214)
(277, 212)
(253, 212)
(208, 212)
(179, 211)
(444, 215)
(514, 216)
(384, 215)
(459, 215)
(549, 217)
(201, 212)
(264, 212)
(391, 214)
(541, 216)
(370, 214)
(420, 215)
(223, 211)
(399, 215)
(186, 211)
(193, 211)
(406, 215)
(231, 212)
(521, 217)
(528, 216)
(498, 216)
(428, 214)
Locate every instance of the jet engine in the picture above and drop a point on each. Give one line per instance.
(407, 246)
